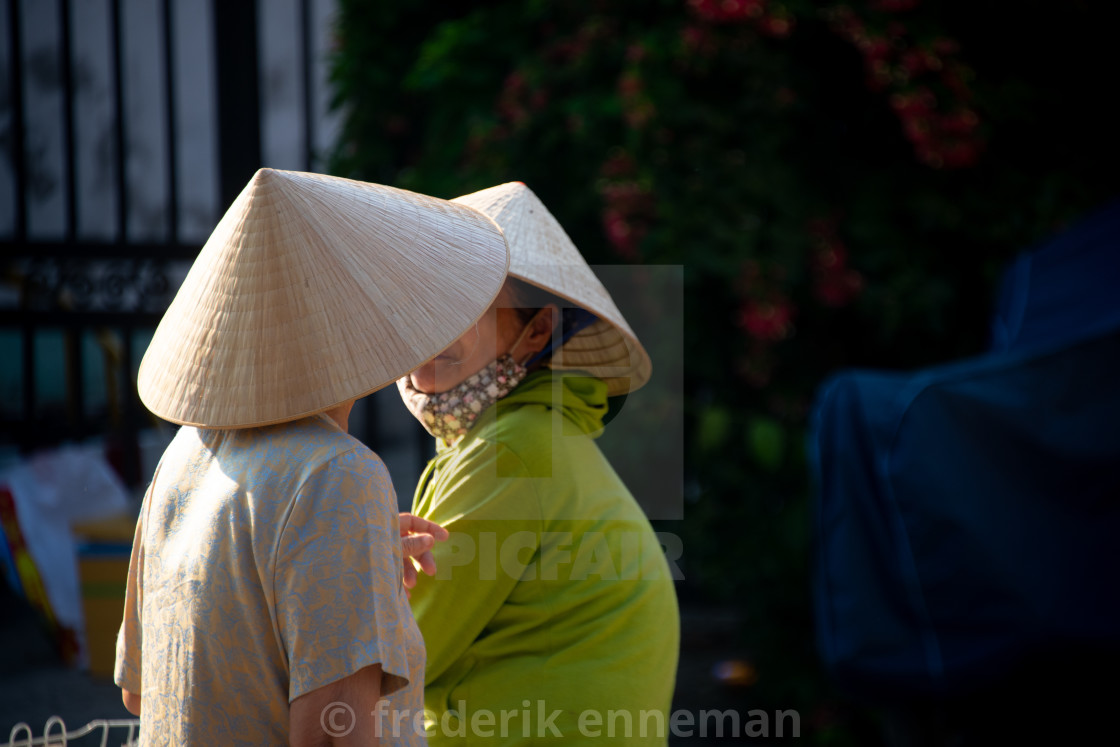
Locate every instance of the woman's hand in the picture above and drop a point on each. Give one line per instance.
(418, 537)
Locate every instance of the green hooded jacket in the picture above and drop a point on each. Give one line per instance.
(553, 614)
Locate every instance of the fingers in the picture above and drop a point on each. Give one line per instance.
(410, 523)
(415, 545)
(427, 563)
(408, 577)
(418, 537)
(417, 549)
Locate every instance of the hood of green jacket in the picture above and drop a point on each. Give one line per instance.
(582, 399)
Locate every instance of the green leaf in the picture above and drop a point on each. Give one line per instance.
(714, 424)
(766, 442)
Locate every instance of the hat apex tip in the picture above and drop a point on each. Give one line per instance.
(266, 174)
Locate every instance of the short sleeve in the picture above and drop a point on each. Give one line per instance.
(340, 605)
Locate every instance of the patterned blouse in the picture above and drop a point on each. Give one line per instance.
(266, 564)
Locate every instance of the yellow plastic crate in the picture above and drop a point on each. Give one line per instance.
(104, 548)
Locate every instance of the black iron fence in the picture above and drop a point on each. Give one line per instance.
(77, 312)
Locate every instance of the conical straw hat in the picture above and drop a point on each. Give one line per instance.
(315, 290)
(542, 254)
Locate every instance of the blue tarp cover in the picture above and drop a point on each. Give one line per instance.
(968, 515)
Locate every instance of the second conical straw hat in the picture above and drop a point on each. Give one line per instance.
(314, 290)
(542, 254)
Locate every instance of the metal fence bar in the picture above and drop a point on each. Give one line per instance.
(27, 366)
(66, 50)
(75, 365)
(75, 370)
(172, 140)
(116, 40)
(19, 164)
(129, 414)
(308, 86)
(238, 101)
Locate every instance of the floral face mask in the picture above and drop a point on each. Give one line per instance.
(449, 415)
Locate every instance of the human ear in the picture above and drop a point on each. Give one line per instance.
(541, 327)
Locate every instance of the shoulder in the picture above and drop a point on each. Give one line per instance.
(327, 469)
(317, 443)
(537, 439)
(342, 488)
(510, 442)
(482, 476)
(316, 433)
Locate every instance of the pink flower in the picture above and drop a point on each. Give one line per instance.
(767, 320)
(836, 289)
(895, 6)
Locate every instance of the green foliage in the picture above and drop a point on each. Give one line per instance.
(766, 442)
(841, 182)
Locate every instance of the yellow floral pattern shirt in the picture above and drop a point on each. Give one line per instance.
(266, 564)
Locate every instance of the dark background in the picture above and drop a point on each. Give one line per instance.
(835, 185)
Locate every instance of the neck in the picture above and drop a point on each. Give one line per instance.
(341, 415)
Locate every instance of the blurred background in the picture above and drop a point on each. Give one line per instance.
(818, 187)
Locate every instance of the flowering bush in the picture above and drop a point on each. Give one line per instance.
(841, 181)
